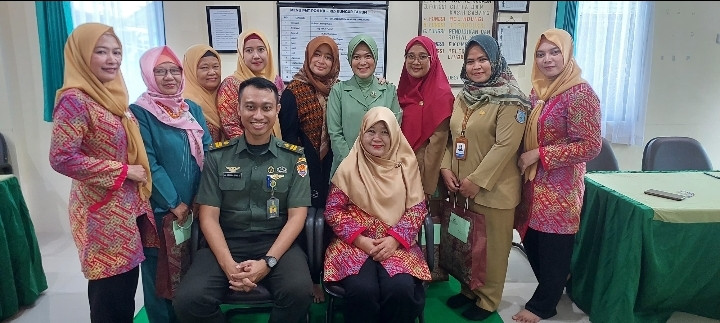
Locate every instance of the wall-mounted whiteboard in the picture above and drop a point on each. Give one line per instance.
(298, 24)
(451, 24)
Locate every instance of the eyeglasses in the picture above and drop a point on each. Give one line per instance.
(421, 58)
(163, 72)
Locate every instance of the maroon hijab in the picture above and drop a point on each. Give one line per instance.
(426, 101)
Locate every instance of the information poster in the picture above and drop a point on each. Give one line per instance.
(298, 25)
(512, 37)
(223, 28)
(451, 24)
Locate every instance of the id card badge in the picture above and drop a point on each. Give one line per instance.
(272, 208)
(460, 148)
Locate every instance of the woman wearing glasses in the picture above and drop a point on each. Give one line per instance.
(350, 100)
(176, 139)
(426, 100)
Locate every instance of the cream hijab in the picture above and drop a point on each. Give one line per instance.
(546, 88)
(386, 186)
(111, 95)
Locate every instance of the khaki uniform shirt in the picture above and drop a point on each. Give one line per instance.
(493, 133)
(239, 183)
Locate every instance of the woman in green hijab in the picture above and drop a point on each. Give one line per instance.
(349, 100)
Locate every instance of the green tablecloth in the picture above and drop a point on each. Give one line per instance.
(22, 278)
(640, 262)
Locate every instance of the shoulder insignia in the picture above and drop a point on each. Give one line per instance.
(220, 144)
(291, 147)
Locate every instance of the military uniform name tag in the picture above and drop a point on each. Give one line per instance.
(460, 148)
(273, 204)
(233, 171)
(231, 174)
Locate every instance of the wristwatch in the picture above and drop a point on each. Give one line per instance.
(271, 261)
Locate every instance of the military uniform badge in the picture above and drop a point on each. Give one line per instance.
(521, 116)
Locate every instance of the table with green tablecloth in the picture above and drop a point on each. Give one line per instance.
(22, 278)
(639, 258)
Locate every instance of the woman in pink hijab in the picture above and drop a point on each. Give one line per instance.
(176, 138)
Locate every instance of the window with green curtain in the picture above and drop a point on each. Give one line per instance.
(566, 15)
(54, 21)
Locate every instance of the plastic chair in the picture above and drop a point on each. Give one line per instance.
(605, 161)
(259, 299)
(5, 167)
(335, 289)
(674, 153)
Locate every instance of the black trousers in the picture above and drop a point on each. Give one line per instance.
(549, 255)
(373, 296)
(112, 299)
(202, 289)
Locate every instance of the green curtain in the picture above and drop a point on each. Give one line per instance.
(566, 15)
(54, 19)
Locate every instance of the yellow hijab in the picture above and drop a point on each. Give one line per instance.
(196, 92)
(546, 88)
(386, 186)
(111, 95)
(243, 72)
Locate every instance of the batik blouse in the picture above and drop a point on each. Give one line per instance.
(343, 259)
(569, 136)
(89, 145)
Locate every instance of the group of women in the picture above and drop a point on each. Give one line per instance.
(376, 153)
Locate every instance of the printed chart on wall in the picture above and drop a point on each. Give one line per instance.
(451, 24)
(299, 24)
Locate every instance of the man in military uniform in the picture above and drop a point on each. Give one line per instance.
(254, 193)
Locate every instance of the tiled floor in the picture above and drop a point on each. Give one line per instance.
(65, 300)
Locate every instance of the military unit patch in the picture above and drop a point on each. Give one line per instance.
(301, 166)
(302, 169)
(521, 116)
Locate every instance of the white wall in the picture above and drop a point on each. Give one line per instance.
(682, 92)
(185, 25)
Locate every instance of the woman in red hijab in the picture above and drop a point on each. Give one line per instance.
(426, 99)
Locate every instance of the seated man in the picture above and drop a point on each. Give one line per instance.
(253, 196)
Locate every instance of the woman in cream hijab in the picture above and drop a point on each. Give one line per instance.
(561, 134)
(254, 59)
(375, 207)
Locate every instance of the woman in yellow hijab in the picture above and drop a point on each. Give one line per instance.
(96, 141)
(202, 69)
(562, 133)
(254, 59)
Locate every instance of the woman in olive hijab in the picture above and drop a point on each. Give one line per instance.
(349, 100)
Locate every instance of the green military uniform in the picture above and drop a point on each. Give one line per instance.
(254, 190)
(239, 183)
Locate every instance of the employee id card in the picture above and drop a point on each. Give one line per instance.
(460, 148)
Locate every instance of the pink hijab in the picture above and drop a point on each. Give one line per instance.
(427, 101)
(150, 99)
